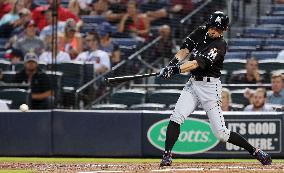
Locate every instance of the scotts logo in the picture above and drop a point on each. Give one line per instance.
(195, 136)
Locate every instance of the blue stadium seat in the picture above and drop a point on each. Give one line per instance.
(126, 42)
(277, 13)
(245, 42)
(93, 19)
(277, 7)
(236, 55)
(260, 32)
(264, 54)
(272, 20)
(280, 33)
(274, 44)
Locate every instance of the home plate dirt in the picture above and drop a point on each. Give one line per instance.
(203, 167)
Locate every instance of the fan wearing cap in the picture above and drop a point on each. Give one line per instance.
(30, 42)
(100, 58)
(38, 80)
(63, 14)
(71, 40)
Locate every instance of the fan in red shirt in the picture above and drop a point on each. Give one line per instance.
(63, 15)
(5, 7)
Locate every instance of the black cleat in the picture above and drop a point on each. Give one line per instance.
(262, 156)
(167, 159)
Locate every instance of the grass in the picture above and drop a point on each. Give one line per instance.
(117, 160)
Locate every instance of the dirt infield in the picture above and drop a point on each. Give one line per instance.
(144, 167)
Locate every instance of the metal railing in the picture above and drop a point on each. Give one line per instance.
(131, 57)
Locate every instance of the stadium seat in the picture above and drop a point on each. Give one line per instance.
(234, 64)
(148, 106)
(163, 96)
(271, 20)
(277, 13)
(55, 79)
(89, 72)
(277, 7)
(271, 64)
(9, 76)
(236, 55)
(93, 19)
(126, 42)
(72, 74)
(245, 41)
(280, 33)
(238, 97)
(17, 96)
(262, 73)
(274, 44)
(264, 54)
(20, 66)
(4, 65)
(128, 97)
(176, 79)
(224, 76)
(108, 107)
(260, 32)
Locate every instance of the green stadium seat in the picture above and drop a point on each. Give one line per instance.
(128, 97)
(72, 74)
(9, 76)
(271, 64)
(238, 97)
(4, 65)
(262, 73)
(176, 79)
(108, 107)
(163, 96)
(17, 96)
(234, 64)
(148, 106)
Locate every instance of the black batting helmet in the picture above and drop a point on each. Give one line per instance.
(218, 20)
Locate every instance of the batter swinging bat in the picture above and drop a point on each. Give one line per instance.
(120, 79)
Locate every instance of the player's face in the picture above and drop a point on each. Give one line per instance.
(215, 32)
(258, 99)
(276, 84)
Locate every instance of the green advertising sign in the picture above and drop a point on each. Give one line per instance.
(195, 136)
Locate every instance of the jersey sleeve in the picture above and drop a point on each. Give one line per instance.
(190, 41)
(213, 54)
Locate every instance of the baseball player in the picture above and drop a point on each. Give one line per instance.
(207, 49)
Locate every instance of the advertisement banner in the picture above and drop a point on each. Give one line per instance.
(196, 138)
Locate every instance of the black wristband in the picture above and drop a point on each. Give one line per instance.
(173, 62)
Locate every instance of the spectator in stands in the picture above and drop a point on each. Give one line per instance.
(115, 10)
(11, 20)
(164, 48)
(63, 15)
(18, 31)
(13, 16)
(30, 4)
(252, 75)
(40, 86)
(226, 100)
(279, 1)
(79, 7)
(258, 102)
(71, 40)
(46, 32)
(277, 86)
(100, 58)
(15, 56)
(137, 24)
(61, 56)
(31, 42)
(5, 7)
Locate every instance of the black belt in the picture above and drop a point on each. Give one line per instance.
(201, 78)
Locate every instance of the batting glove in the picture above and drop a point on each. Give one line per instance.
(173, 62)
(169, 71)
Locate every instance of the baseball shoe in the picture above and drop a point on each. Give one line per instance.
(167, 159)
(262, 156)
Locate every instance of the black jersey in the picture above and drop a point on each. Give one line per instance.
(209, 53)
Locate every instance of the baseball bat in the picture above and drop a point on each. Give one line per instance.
(121, 79)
